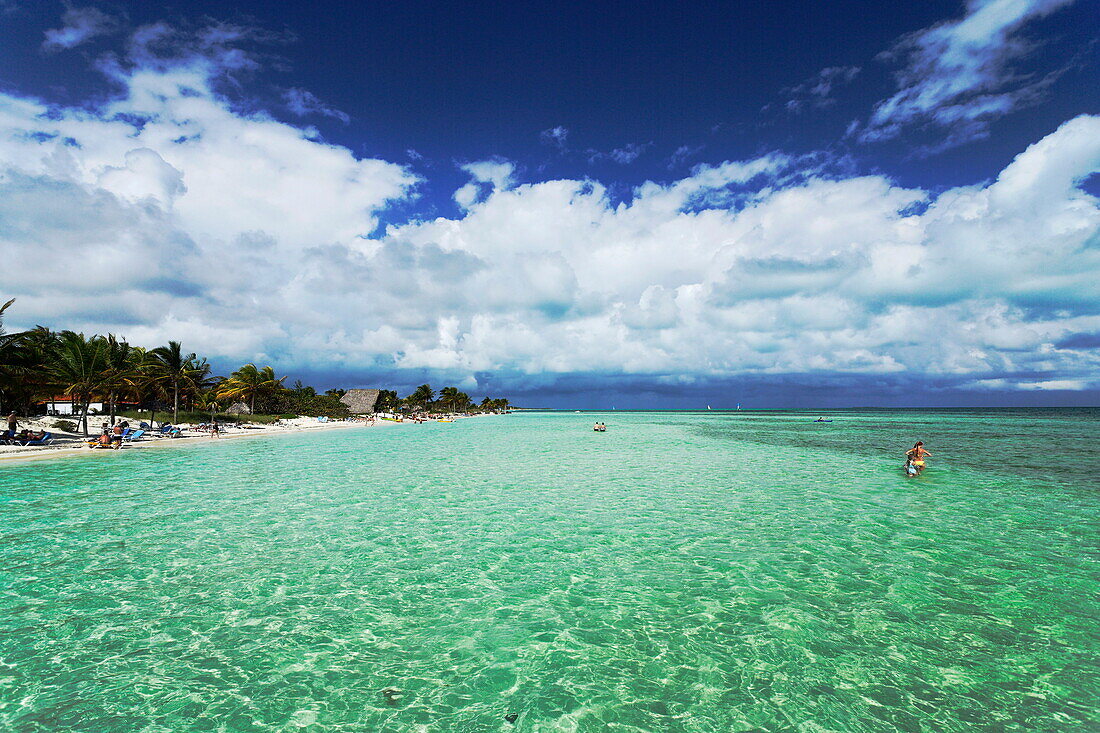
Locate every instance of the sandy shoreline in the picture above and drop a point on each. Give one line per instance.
(11, 454)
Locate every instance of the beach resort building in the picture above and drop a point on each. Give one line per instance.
(63, 405)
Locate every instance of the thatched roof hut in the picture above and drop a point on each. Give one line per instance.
(360, 401)
(238, 408)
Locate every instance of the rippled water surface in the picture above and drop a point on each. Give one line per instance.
(681, 572)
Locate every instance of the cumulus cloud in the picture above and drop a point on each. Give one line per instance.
(485, 175)
(165, 210)
(957, 74)
(80, 25)
(168, 213)
(825, 275)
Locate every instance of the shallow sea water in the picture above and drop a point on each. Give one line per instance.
(681, 572)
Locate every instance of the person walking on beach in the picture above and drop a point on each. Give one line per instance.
(214, 430)
(915, 456)
(13, 423)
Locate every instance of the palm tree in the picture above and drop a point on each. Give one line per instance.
(422, 396)
(387, 400)
(119, 372)
(148, 384)
(13, 361)
(173, 364)
(248, 382)
(199, 378)
(449, 396)
(78, 369)
(208, 401)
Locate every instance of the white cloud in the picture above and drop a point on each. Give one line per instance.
(166, 214)
(817, 90)
(303, 103)
(682, 154)
(166, 207)
(485, 175)
(80, 26)
(957, 73)
(555, 136)
(624, 155)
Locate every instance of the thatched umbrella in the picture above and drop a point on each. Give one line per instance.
(361, 401)
(238, 409)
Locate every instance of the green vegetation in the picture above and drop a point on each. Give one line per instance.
(198, 416)
(40, 364)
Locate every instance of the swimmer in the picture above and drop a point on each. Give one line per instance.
(915, 457)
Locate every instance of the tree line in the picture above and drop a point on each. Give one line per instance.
(40, 364)
(449, 399)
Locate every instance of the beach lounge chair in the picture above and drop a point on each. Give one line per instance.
(46, 439)
(134, 435)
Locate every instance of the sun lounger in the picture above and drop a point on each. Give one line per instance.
(46, 439)
(135, 435)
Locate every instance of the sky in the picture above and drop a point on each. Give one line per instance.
(787, 204)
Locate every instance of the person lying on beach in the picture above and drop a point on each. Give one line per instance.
(25, 436)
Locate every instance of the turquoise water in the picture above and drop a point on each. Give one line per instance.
(681, 572)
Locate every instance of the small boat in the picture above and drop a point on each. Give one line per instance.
(821, 419)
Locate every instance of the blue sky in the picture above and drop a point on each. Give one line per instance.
(781, 204)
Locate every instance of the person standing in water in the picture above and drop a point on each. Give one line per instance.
(915, 456)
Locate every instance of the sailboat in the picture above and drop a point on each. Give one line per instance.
(738, 405)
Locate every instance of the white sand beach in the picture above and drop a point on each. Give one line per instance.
(69, 444)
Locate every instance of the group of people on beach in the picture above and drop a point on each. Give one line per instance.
(13, 435)
(109, 437)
